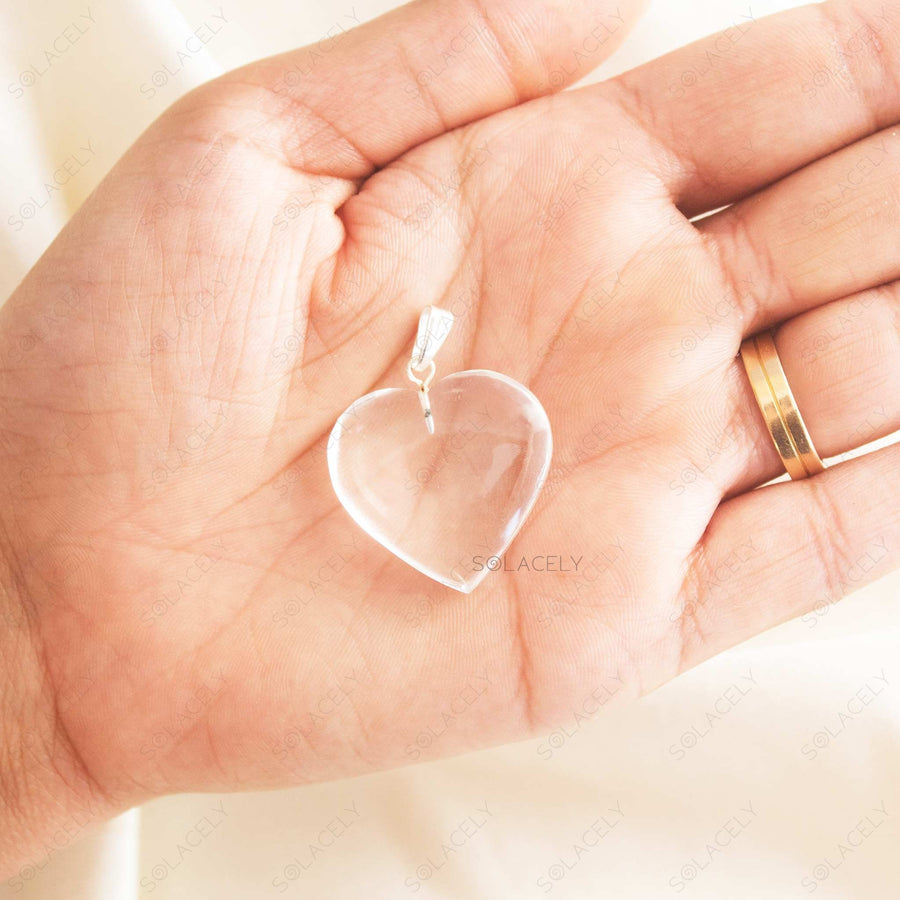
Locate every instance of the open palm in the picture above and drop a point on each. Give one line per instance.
(203, 612)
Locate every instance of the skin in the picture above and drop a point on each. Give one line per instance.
(187, 606)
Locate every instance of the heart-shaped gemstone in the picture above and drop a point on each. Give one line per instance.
(447, 502)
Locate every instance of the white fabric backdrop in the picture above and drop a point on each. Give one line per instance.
(756, 775)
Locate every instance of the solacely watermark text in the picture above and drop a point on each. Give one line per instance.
(538, 563)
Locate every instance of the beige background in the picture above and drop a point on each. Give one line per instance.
(621, 805)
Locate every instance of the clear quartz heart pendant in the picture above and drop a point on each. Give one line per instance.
(445, 473)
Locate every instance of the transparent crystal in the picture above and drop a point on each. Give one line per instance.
(444, 502)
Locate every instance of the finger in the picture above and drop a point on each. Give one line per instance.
(843, 365)
(743, 108)
(361, 97)
(785, 549)
(822, 233)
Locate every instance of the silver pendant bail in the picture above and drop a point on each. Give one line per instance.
(434, 326)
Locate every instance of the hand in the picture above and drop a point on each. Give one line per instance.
(190, 606)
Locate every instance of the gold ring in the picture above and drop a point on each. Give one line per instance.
(779, 409)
